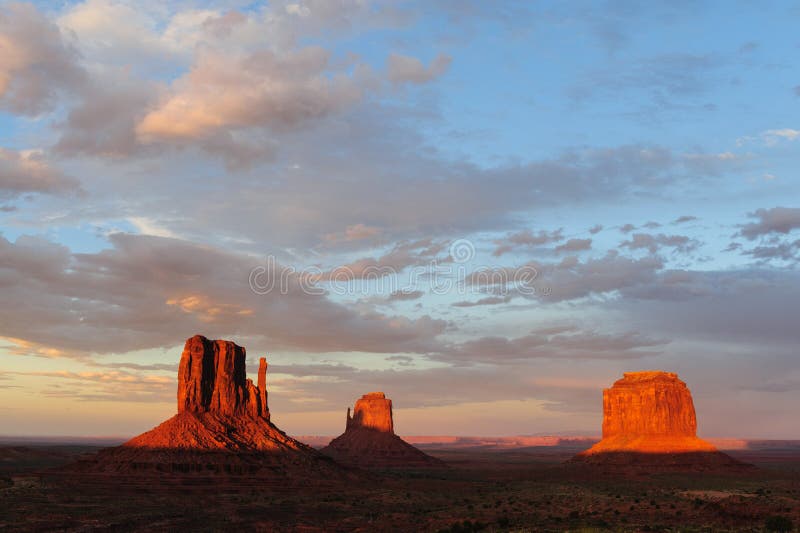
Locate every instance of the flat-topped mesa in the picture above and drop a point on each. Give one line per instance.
(212, 378)
(649, 403)
(373, 410)
(649, 421)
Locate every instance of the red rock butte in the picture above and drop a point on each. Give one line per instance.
(650, 414)
(369, 440)
(222, 425)
(373, 410)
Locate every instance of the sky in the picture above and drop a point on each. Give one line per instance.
(487, 210)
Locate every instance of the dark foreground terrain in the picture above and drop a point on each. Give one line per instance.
(485, 489)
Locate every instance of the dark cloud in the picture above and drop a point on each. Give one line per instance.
(402, 255)
(780, 250)
(36, 64)
(22, 172)
(745, 309)
(571, 343)
(526, 239)
(771, 221)
(684, 218)
(150, 292)
(572, 279)
(574, 245)
(401, 296)
(488, 300)
(653, 243)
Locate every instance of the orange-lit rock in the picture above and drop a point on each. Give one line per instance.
(212, 378)
(649, 417)
(650, 411)
(222, 426)
(369, 440)
(373, 410)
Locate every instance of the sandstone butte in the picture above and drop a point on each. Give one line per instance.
(649, 417)
(369, 440)
(222, 425)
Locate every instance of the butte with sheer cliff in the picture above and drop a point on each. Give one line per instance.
(369, 440)
(223, 425)
(649, 420)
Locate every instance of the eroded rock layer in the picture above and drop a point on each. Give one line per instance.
(369, 440)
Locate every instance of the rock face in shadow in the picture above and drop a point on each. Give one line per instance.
(649, 419)
(369, 440)
(222, 426)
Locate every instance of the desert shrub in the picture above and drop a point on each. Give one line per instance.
(779, 523)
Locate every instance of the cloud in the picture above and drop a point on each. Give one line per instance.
(652, 243)
(776, 220)
(147, 226)
(597, 228)
(354, 232)
(148, 292)
(772, 137)
(526, 239)
(404, 296)
(29, 171)
(36, 65)
(223, 93)
(684, 219)
(109, 386)
(405, 69)
(785, 251)
(402, 255)
(103, 120)
(572, 279)
(574, 245)
(745, 308)
(488, 300)
(564, 343)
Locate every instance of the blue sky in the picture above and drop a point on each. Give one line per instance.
(640, 159)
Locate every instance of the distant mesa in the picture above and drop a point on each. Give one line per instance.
(373, 410)
(369, 440)
(649, 420)
(222, 426)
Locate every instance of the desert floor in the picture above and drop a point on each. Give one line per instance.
(484, 489)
